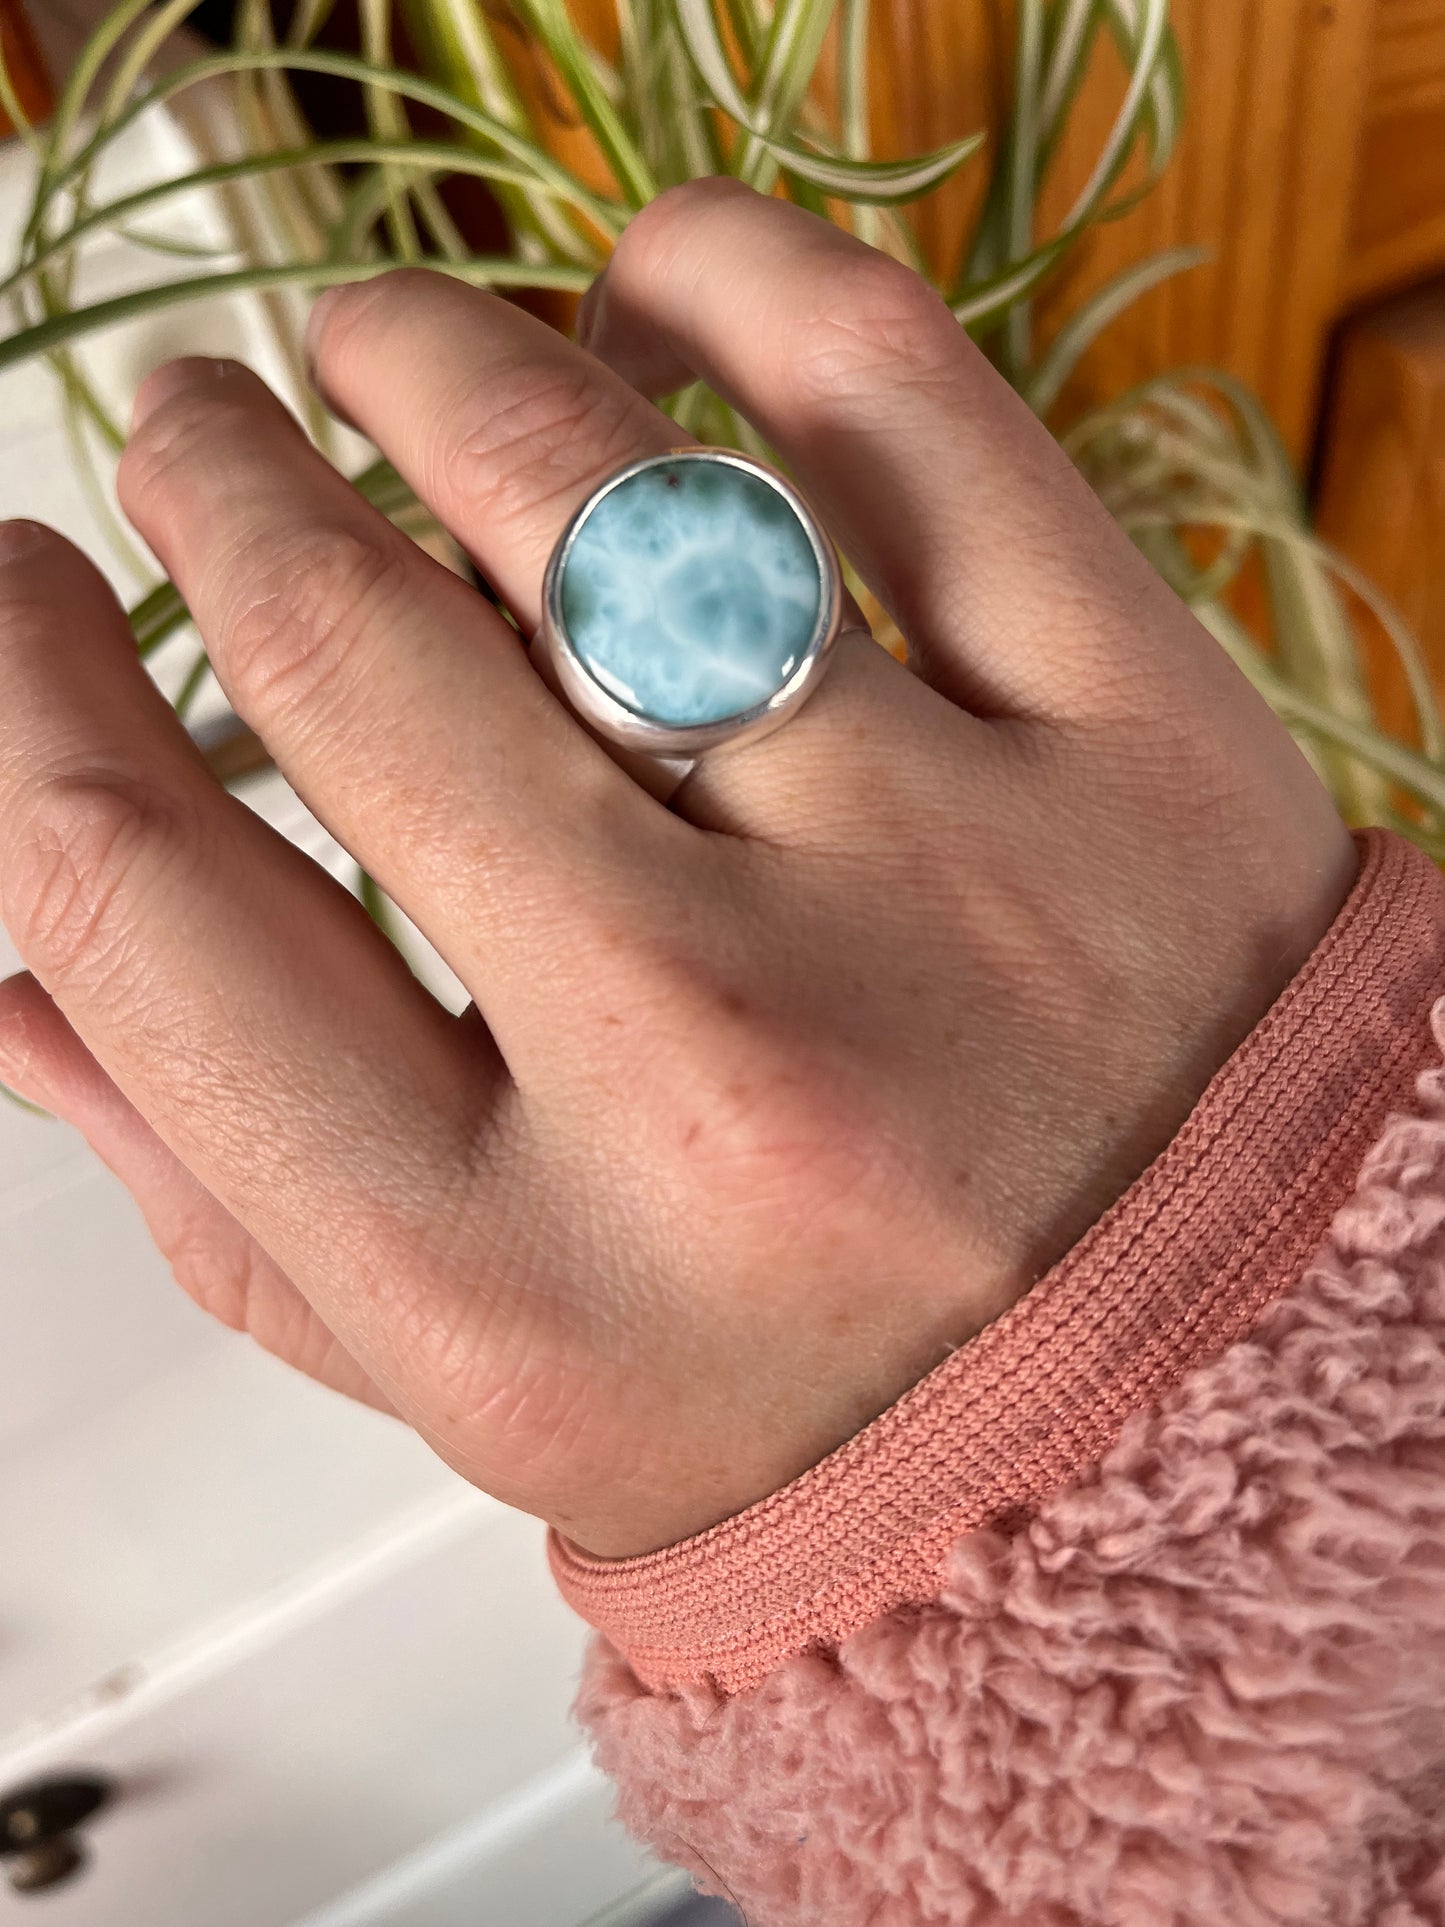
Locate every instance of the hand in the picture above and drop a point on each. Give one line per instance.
(767, 1100)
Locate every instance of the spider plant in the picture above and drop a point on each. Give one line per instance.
(1188, 462)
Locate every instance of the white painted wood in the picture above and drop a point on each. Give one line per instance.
(273, 1763)
(486, 1869)
(208, 1479)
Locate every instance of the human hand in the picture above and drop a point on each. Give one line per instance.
(766, 1100)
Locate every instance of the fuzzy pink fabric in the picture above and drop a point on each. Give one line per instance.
(1199, 1684)
(1183, 1264)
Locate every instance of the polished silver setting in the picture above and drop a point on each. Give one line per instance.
(681, 745)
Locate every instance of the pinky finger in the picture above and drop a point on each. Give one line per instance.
(215, 1260)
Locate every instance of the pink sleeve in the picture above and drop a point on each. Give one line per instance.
(1133, 1612)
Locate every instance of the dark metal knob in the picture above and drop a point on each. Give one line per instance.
(40, 1868)
(37, 1829)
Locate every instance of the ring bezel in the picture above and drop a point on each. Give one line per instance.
(629, 728)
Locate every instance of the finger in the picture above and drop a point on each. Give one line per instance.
(1016, 591)
(500, 424)
(215, 1261)
(396, 700)
(238, 996)
(504, 428)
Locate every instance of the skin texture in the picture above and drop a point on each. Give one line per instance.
(768, 1098)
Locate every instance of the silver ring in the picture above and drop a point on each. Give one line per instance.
(691, 602)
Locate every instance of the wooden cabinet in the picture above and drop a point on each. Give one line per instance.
(1381, 493)
(24, 64)
(1396, 231)
(1263, 180)
(1311, 169)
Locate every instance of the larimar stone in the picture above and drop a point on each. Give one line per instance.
(691, 591)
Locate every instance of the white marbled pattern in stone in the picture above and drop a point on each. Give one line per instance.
(691, 591)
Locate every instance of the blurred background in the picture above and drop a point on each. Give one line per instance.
(263, 1661)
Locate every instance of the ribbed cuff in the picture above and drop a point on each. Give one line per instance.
(1220, 1224)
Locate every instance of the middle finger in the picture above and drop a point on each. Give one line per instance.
(504, 428)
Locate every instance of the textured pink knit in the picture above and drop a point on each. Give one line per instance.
(1133, 1613)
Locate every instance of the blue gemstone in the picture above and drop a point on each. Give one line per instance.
(691, 591)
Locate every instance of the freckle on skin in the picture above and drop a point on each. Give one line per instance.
(689, 1136)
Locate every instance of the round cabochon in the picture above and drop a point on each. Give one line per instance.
(691, 590)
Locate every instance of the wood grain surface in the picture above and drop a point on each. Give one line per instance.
(1382, 485)
(24, 65)
(1397, 220)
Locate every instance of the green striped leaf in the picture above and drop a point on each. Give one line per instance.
(879, 183)
(876, 183)
(434, 157)
(1087, 322)
(481, 271)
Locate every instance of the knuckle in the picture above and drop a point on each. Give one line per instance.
(29, 554)
(28, 609)
(672, 221)
(881, 320)
(524, 451)
(90, 848)
(218, 1272)
(300, 613)
(160, 460)
(357, 304)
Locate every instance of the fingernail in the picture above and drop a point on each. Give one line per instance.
(21, 537)
(589, 308)
(320, 308)
(173, 376)
(19, 1086)
(17, 1052)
